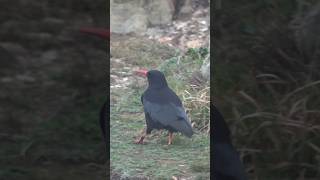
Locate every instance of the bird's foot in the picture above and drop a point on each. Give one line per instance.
(170, 137)
(140, 141)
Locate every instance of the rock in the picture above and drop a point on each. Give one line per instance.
(136, 23)
(160, 12)
(136, 15)
(186, 8)
(126, 18)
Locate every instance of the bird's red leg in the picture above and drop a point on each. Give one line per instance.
(140, 140)
(170, 138)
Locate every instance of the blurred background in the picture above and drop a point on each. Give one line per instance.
(52, 85)
(173, 37)
(267, 84)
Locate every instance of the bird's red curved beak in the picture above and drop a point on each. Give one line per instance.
(141, 72)
(101, 32)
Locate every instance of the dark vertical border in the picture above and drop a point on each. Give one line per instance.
(212, 17)
(108, 91)
(215, 11)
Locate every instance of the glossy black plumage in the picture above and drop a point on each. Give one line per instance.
(226, 161)
(163, 108)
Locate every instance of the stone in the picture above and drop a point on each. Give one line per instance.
(136, 15)
(127, 18)
(160, 12)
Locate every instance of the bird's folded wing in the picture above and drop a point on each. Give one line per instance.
(169, 115)
(165, 113)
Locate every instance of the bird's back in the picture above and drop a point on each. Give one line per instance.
(162, 96)
(164, 106)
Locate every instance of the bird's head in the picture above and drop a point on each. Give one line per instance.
(155, 78)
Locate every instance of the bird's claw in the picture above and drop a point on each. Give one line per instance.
(139, 142)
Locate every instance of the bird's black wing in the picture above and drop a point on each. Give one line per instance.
(220, 128)
(170, 115)
(226, 163)
(226, 160)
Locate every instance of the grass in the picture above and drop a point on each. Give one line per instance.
(267, 92)
(156, 160)
(188, 158)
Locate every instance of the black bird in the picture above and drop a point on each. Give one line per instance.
(226, 160)
(162, 107)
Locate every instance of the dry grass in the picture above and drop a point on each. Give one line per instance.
(198, 104)
(183, 75)
(268, 91)
(283, 138)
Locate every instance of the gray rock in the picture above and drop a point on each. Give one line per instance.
(127, 18)
(160, 12)
(187, 7)
(136, 15)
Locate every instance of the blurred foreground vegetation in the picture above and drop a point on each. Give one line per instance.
(267, 85)
(51, 91)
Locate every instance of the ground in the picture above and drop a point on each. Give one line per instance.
(185, 158)
(175, 50)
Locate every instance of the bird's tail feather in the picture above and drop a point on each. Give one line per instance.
(185, 128)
